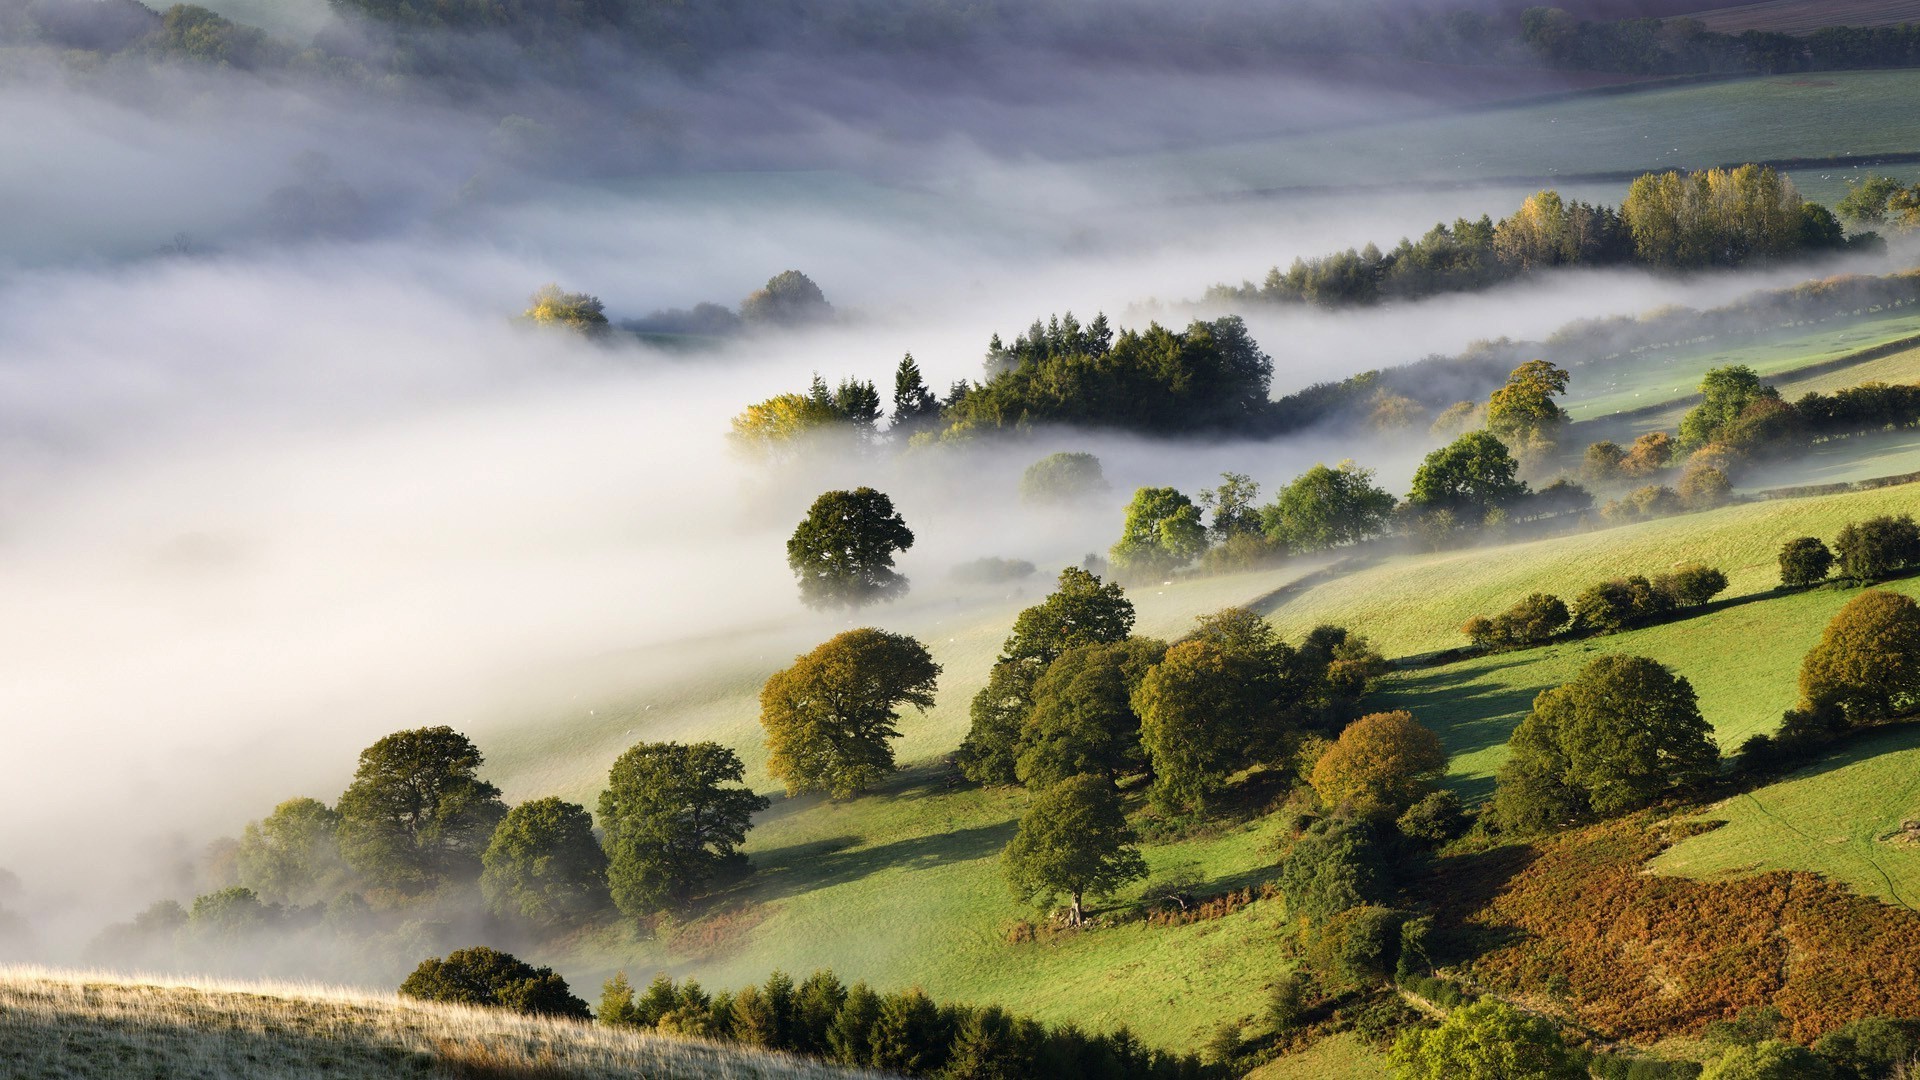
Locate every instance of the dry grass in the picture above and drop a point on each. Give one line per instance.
(66, 1025)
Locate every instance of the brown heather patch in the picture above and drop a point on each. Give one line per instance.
(1636, 956)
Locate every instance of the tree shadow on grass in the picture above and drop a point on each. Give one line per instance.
(789, 871)
(1459, 887)
(1467, 707)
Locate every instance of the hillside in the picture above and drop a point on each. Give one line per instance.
(64, 1025)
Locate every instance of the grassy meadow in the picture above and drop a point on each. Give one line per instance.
(58, 1025)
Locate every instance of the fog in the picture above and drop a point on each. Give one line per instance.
(296, 479)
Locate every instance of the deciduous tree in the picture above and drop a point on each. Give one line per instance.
(1867, 663)
(417, 814)
(830, 718)
(842, 551)
(484, 976)
(672, 816)
(1074, 840)
(544, 865)
(1381, 765)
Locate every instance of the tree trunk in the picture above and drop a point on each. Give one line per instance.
(1073, 917)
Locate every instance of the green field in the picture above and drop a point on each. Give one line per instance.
(1686, 126)
(1339, 1057)
(1832, 817)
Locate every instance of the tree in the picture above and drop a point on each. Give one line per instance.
(1336, 866)
(1874, 549)
(292, 856)
(1804, 561)
(230, 913)
(1326, 508)
(830, 717)
(1532, 621)
(1073, 839)
(1062, 478)
(484, 976)
(1624, 731)
(1865, 202)
(1691, 585)
(1381, 765)
(1622, 604)
(544, 865)
(578, 312)
(1080, 611)
(672, 818)
(1768, 1060)
(842, 552)
(417, 814)
(789, 299)
(915, 408)
(1867, 664)
(1082, 719)
(1162, 533)
(1725, 393)
(1487, 1040)
(1231, 505)
(1469, 476)
(1703, 487)
(1192, 709)
(1524, 409)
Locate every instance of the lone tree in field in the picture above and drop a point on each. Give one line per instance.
(483, 976)
(1804, 561)
(578, 312)
(292, 856)
(544, 865)
(1867, 664)
(1622, 733)
(842, 552)
(1486, 1041)
(417, 814)
(1874, 549)
(1162, 533)
(830, 717)
(673, 815)
(1062, 478)
(1081, 611)
(1074, 840)
(1381, 765)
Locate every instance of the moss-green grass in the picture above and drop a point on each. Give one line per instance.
(1340, 1057)
(1830, 817)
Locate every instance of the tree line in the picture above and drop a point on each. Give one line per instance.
(1669, 221)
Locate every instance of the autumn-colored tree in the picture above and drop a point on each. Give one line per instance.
(1867, 663)
(578, 312)
(842, 551)
(1524, 408)
(1074, 840)
(1649, 454)
(1382, 764)
(830, 718)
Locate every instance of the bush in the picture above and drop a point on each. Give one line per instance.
(1703, 487)
(1870, 1046)
(1435, 819)
(1621, 604)
(1874, 549)
(1532, 621)
(1336, 865)
(1486, 1041)
(1359, 947)
(483, 976)
(1640, 504)
(1380, 765)
(1291, 1001)
(1769, 1060)
(1867, 664)
(1691, 585)
(1804, 561)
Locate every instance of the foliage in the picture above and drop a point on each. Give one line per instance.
(1487, 1040)
(784, 424)
(1065, 477)
(1381, 765)
(416, 814)
(790, 298)
(1162, 533)
(543, 864)
(830, 716)
(1621, 604)
(1194, 709)
(1082, 720)
(1726, 393)
(1874, 549)
(1232, 507)
(1524, 408)
(578, 312)
(1871, 1046)
(1533, 621)
(1770, 1060)
(842, 551)
(1334, 866)
(1867, 664)
(1624, 731)
(1325, 508)
(1691, 585)
(1470, 476)
(293, 854)
(230, 913)
(483, 976)
(672, 819)
(1080, 611)
(1073, 839)
(1703, 487)
(1436, 818)
(991, 571)
(915, 408)
(1715, 217)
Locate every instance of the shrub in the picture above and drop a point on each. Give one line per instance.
(1640, 504)
(1486, 1041)
(1532, 621)
(1870, 1046)
(1691, 585)
(1436, 819)
(1381, 764)
(1291, 1001)
(1867, 664)
(1804, 561)
(483, 976)
(1874, 549)
(1621, 604)
(1359, 946)
(1703, 487)
(1336, 865)
(990, 571)
(1769, 1060)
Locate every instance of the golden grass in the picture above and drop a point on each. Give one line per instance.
(75, 1025)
